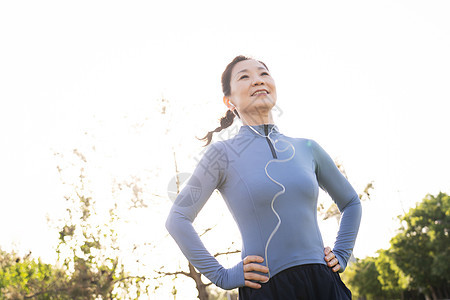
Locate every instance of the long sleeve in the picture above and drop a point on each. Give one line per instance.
(208, 175)
(337, 186)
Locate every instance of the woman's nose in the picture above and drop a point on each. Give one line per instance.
(257, 80)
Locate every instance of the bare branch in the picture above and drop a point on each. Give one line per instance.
(130, 277)
(172, 274)
(208, 229)
(43, 292)
(226, 253)
(153, 194)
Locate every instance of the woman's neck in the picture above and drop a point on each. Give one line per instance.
(257, 119)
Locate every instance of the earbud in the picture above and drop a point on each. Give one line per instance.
(228, 103)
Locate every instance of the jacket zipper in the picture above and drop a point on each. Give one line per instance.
(266, 130)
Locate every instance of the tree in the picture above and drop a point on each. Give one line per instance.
(417, 262)
(421, 248)
(393, 281)
(88, 247)
(202, 287)
(26, 277)
(362, 278)
(89, 264)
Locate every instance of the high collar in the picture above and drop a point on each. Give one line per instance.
(246, 130)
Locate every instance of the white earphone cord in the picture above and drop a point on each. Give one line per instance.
(276, 182)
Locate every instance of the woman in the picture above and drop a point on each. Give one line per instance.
(270, 184)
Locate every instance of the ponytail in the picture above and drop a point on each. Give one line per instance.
(225, 122)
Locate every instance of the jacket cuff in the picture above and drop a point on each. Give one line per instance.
(341, 262)
(235, 277)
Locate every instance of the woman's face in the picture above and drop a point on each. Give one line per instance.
(252, 88)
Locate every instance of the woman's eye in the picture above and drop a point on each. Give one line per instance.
(264, 73)
(243, 76)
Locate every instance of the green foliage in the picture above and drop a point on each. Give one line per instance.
(89, 270)
(88, 248)
(422, 247)
(416, 263)
(362, 279)
(27, 277)
(89, 259)
(392, 279)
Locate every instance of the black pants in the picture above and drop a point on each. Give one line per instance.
(311, 281)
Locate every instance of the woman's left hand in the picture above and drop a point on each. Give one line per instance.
(331, 259)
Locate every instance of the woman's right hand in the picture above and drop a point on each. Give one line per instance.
(250, 266)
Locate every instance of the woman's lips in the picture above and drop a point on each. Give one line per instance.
(260, 92)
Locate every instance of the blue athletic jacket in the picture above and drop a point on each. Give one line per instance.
(237, 168)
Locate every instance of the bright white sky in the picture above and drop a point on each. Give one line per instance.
(368, 80)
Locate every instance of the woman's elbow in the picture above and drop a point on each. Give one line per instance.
(176, 220)
(170, 222)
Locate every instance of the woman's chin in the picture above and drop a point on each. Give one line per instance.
(264, 105)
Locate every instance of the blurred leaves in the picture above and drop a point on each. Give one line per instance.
(418, 261)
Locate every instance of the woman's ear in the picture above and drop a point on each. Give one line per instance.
(228, 103)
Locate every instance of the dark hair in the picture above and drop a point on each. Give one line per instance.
(227, 120)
